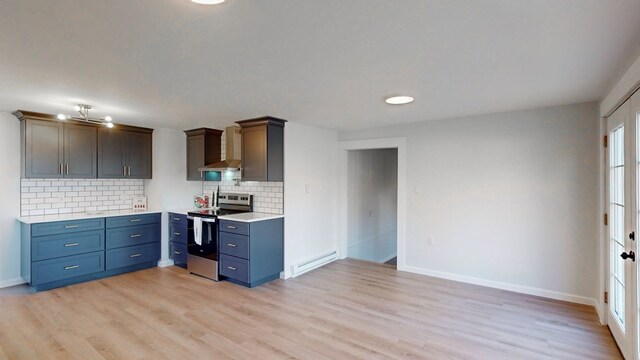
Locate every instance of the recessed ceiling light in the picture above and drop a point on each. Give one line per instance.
(398, 100)
(208, 2)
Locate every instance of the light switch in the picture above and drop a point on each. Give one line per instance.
(307, 188)
(417, 189)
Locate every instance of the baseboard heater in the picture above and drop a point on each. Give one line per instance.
(305, 266)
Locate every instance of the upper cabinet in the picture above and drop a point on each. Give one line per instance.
(125, 152)
(76, 150)
(204, 147)
(262, 149)
(51, 149)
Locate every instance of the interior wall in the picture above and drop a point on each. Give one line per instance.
(10, 204)
(310, 186)
(372, 191)
(169, 189)
(506, 200)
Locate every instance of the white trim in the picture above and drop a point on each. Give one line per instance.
(12, 282)
(386, 143)
(502, 286)
(602, 249)
(165, 263)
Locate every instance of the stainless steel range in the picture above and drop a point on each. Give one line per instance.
(203, 241)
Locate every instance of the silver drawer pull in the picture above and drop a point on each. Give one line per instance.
(135, 220)
(231, 268)
(135, 236)
(71, 244)
(176, 234)
(231, 227)
(177, 252)
(232, 245)
(71, 267)
(177, 219)
(72, 226)
(135, 255)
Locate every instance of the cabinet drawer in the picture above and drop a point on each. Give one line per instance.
(178, 233)
(235, 245)
(53, 246)
(234, 227)
(67, 267)
(132, 255)
(178, 252)
(234, 268)
(66, 227)
(132, 235)
(178, 219)
(130, 220)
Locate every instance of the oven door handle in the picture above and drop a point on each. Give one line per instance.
(204, 219)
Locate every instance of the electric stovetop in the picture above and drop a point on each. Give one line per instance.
(212, 213)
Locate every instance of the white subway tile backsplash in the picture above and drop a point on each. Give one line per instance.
(265, 194)
(62, 196)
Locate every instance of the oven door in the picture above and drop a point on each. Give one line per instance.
(209, 247)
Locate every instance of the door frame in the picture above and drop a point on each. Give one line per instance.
(370, 144)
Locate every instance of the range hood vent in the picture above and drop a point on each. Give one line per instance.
(233, 149)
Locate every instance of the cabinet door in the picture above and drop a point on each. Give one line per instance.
(254, 153)
(138, 155)
(111, 156)
(195, 156)
(44, 154)
(80, 151)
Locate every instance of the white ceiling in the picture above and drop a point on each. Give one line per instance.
(172, 63)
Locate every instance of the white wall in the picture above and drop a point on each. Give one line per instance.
(310, 158)
(169, 188)
(10, 204)
(510, 200)
(372, 193)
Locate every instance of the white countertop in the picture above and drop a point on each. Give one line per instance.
(79, 216)
(250, 217)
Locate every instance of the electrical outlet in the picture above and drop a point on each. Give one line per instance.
(307, 188)
(430, 241)
(417, 189)
(370, 213)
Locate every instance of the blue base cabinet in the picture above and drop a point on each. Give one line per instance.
(251, 253)
(56, 254)
(178, 235)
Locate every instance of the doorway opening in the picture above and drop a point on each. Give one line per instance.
(372, 205)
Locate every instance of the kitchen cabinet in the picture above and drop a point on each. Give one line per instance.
(262, 149)
(178, 235)
(53, 149)
(60, 253)
(125, 152)
(251, 253)
(203, 148)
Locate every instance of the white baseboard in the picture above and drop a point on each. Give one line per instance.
(601, 307)
(165, 263)
(11, 282)
(503, 286)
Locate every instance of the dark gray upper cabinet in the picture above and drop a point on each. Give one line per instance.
(52, 149)
(204, 147)
(262, 149)
(125, 152)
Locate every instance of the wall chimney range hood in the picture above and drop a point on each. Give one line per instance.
(233, 147)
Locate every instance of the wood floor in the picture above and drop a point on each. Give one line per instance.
(346, 310)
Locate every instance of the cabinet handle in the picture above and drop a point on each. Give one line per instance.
(232, 245)
(71, 267)
(231, 268)
(61, 169)
(135, 255)
(231, 227)
(135, 220)
(128, 170)
(66, 167)
(71, 244)
(124, 171)
(135, 236)
(72, 226)
(177, 219)
(177, 252)
(176, 234)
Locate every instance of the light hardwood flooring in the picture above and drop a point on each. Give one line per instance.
(348, 309)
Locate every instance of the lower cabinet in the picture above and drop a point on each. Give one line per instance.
(252, 253)
(56, 254)
(178, 232)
